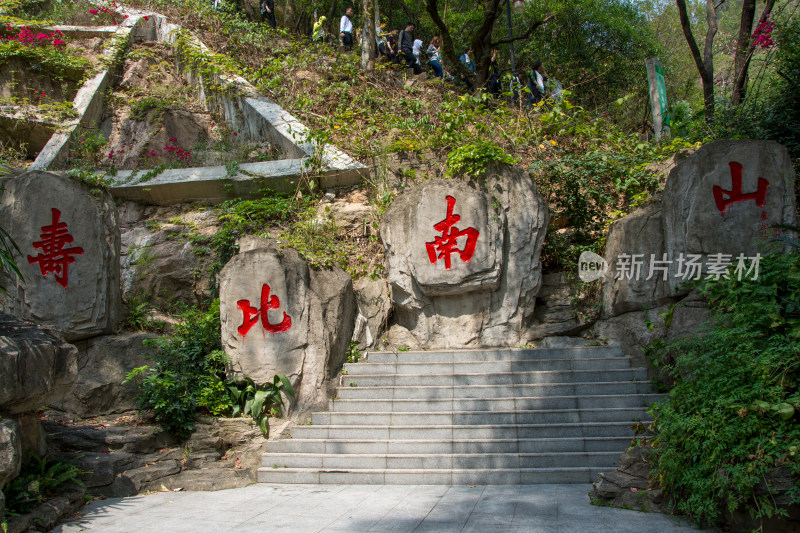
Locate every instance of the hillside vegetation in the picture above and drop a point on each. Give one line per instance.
(732, 417)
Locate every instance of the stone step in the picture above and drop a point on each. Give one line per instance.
(614, 444)
(486, 367)
(360, 391)
(456, 461)
(477, 418)
(492, 404)
(488, 476)
(501, 416)
(493, 354)
(488, 431)
(499, 378)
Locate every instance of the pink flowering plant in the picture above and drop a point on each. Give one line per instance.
(106, 14)
(47, 49)
(762, 37)
(171, 155)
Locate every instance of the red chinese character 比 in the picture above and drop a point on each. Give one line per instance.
(251, 314)
(735, 194)
(55, 257)
(446, 244)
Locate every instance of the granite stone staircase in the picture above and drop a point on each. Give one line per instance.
(491, 416)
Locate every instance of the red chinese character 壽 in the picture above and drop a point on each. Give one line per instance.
(251, 314)
(735, 194)
(447, 244)
(55, 257)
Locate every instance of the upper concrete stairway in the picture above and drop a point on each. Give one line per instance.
(493, 416)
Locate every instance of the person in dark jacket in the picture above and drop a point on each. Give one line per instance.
(268, 12)
(493, 84)
(407, 48)
(536, 82)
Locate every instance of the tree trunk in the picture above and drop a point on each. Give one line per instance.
(368, 34)
(332, 23)
(744, 48)
(481, 41)
(704, 62)
(288, 15)
(432, 7)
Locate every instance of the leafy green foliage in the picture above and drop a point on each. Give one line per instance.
(353, 354)
(141, 108)
(55, 62)
(247, 217)
(597, 46)
(85, 151)
(732, 417)
(315, 238)
(474, 158)
(38, 479)
(187, 372)
(259, 401)
(139, 316)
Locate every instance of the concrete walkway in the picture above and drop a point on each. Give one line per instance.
(355, 508)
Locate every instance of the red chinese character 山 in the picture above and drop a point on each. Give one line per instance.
(735, 194)
(251, 314)
(447, 244)
(54, 257)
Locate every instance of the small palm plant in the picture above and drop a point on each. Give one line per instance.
(259, 401)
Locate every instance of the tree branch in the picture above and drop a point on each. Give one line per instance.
(527, 32)
(432, 7)
(686, 25)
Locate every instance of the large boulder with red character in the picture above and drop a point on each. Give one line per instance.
(463, 259)
(68, 236)
(280, 316)
(719, 208)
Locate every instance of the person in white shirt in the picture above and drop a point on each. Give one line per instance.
(346, 29)
(417, 51)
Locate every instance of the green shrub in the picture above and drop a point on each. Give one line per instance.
(247, 217)
(732, 417)
(141, 108)
(139, 317)
(187, 372)
(474, 158)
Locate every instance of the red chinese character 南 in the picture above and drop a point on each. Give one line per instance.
(446, 244)
(251, 314)
(55, 257)
(735, 194)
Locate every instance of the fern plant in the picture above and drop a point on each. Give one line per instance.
(38, 479)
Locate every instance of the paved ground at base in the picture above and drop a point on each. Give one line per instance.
(356, 508)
